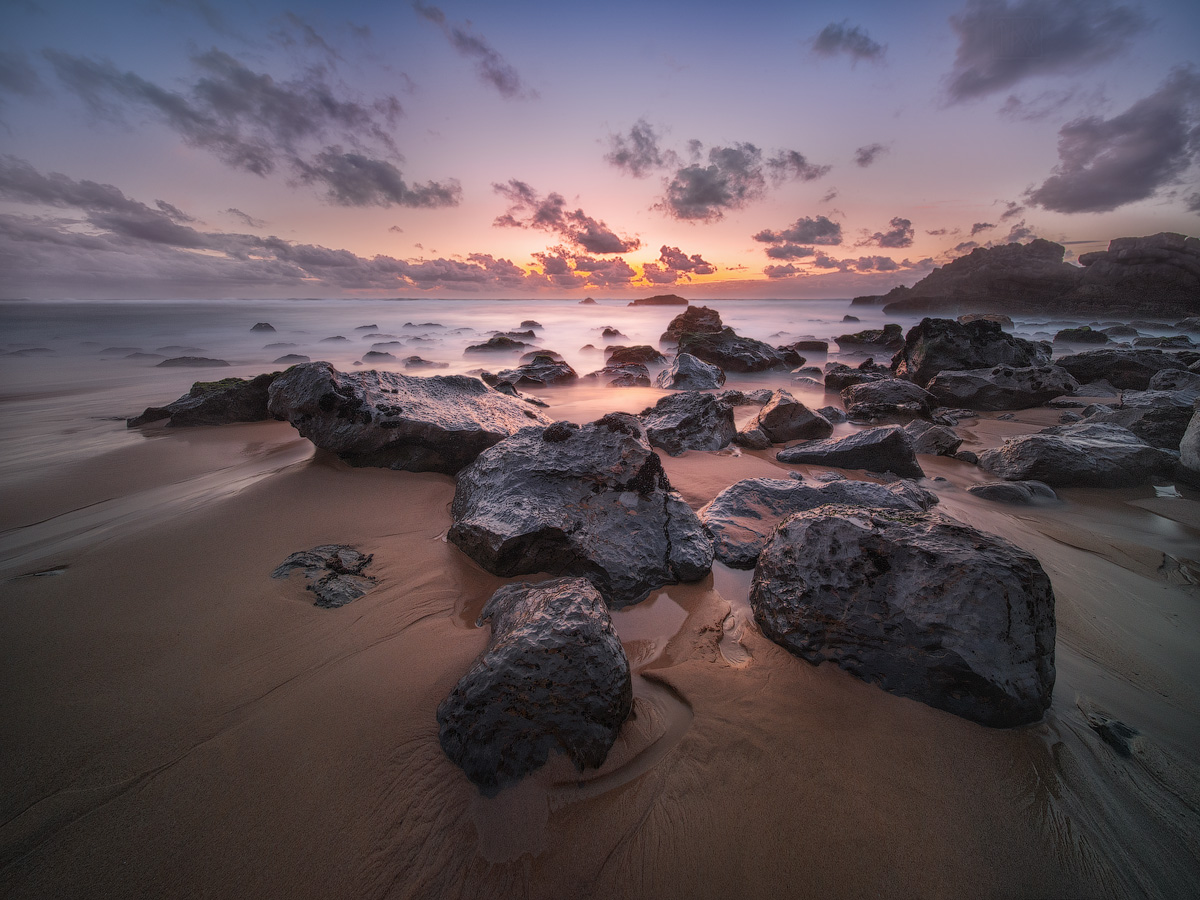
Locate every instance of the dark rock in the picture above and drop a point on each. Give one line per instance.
(612, 334)
(335, 573)
(790, 356)
(694, 319)
(888, 398)
(642, 354)
(742, 517)
(282, 345)
(939, 345)
(497, 344)
(627, 375)
(1002, 387)
(543, 370)
(1114, 331)
(366, 328)
(784, 418)
(1085, 454)
(1013, 491)
(833, 415)
(214, 403)
(687, 373)
(659, 300)
(377, 356)
(192, 362)
(587, 500)
(435, 424)
(416, 362)
(1174, 342)
(1189, 448)
(534, 354)
(850, 318)
(336, 339)
(1126, 370)
(967, 456)
(810, 346)
(587, 301)
(410, 326)
(1159, 415)
(262, 326)
(291, 359)
(386, 346)
(530, 323)
(731, 352)
(889, 337)
(839, 376)
(999, 318)
(528, 333)
(1152, 273)
(1080, 335)
(554, 676)
(887, 448)
(935, 440)
(746, 398)
(689, 420)
(917, 603)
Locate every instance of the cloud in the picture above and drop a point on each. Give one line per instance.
(1019, 232)
(675, 259)
(18, 76)
(491, 67)
(938, 232)
(864, 156)
(1001, 44)
(1193, 203)
(789, 165)
(823, 260)
(174, 213)
(1048, 103)
(805, 230)
(963, 248)
(352, 179)
(247, 219)
(294, 25)
(1107, 163)
(565, 269)
(789, 251)
(785, 271)
(396, 229)
(981, 226)
(829, 196)
(1012, 209)
(900, 235)
(733, 178)
(528, 210)
(639, 153)
(845, 38)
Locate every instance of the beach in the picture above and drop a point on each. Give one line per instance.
(179, 723)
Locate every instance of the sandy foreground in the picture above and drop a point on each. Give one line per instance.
(178, 724)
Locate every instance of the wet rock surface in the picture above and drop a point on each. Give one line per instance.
(1126, 370)
(540, 371)
(435, 424)
(554, 677)
(336, 573)
(917, 603)
(889, 337)
(784, 418)
(214, 403)
(626, 375)
(589, 500)
(942, 345)
(642, 354)
(936, 440)
(695, 319)
(732, 352)
(689, 420)
(1002, 387)
(1078, 455)
(1023, 492)
(839, 376)
(688, 373)
(887, 399)
(887, 448)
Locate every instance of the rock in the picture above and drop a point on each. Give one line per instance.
(967, 456)
(731, 352)
(1002, 387)
(1114, 331)
(839, 376)
(746, 398)
(917, 603)
(1175, 380)
(497, 344)
(192, 362)
(336, 339)
(530, 323)
(850, 318)
(688, 420)
(642, 354)
(377, 356)
(935, 440)
(887, 448)
(790, 356)
(1174, 342)
(543, 370)
(939, 345)
(814, 373)
(1126, 370)
(1152, 273)
(694, 319)
(834, 415)
(214, 403)
(528, 333)
(659, 300)
(1070, 418)
(1080, 335)
(435, 424)
(1189, 448)
(534, 354)
(1159, 415)
(687, 373)
(810, 346)
(416, 362)
(291, 359)
(262, 326)
(889, 337)
(999, 318)
(554, 676)
(888, 398)
(1087, 454)
(587, 301)
(752, 438)
(1013, 491)
(613, 334)
(784, 418)
(386, 346)
(742, 517)
(627, 375)
(335, 573)
(587, 500)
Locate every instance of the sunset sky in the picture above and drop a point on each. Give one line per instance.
(262, 148)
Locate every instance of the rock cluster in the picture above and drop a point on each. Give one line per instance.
(335, 573)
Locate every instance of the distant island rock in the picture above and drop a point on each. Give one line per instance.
(659, 300)
(195, 362)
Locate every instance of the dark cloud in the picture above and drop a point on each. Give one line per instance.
(788, 165)
(562, 268)
(1048, 103)
(656, 274)
(352, 179)
(900, 235)
(845, 38)
(675, 259)
(295, 30)
(981, 226)
(964, 247)
(489, 64)
(867, 263)
(1193, 203)
(806, 230)
(396, 229)
(789, 251)
(733, 178)
(17, 75)
(938, 232)
(528, 210)
(829, 196)
(1107, 163)
(638, 152)
(173, 212)
(785, 271)
(864, 156)
(1012, 209)
(1000, 44)
(1018, 233)
(247, 219)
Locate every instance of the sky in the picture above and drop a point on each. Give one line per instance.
(265, 148)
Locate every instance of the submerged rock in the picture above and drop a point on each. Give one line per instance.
(1002, 387)
(497, 344)
(589, 500)
(191, 362)
(689, 420)
(659, 300)
(435, 424)
(687, 373)
(1081, 335)
(940, 345)
(887, 448)
(1084, 455)
(1013, 491)
(554, 676)
(214, 403)
(335, 573)
(262, 326)
(922, 605)
(542, 370)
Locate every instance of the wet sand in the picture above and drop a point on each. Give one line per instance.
(177, 723)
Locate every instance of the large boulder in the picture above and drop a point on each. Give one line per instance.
(642, 354)
(1017, 492)
(589, 500)
(887, 448)
(888, 398)
(922, 605)
(839, 376)
(659, 300)
(742, 517)
(687, 373)
(553, 677)
(890, 338)
(1151, 271)
(1126, 370)
(731, 352)
(694, 319)
(542, 370)
(623, 375)
(935, 440)
(1084, 454)
(939, 345)
(1159, 415)
(1002, 387)
(689, 420)
(784, 418)
(214, 403)
(435, 424)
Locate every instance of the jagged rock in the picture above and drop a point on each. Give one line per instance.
(1080, 335)
(554, 676)
(839, 376)
(1126, 370)
(335, 573)
(543, 370)
(939, 345)
(642, 354)
(888, 398)
(694, 319)
(687, 373)
(784, 418)
(752, 438)
(731, 352)
(416, 362)
(922, 605)
(627, 375)
(790, 356)
(887, 448)
(262, 326)
(435, 424)
(889, 337)
(188, 362)
(659, 300)
(497, 344)
(935, 440)
(1013, 491)
(1002, 387)
(587, 500)
(689, 420)
(214, 403)
(1159, 415)
(1086, 454)
(742, 517)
